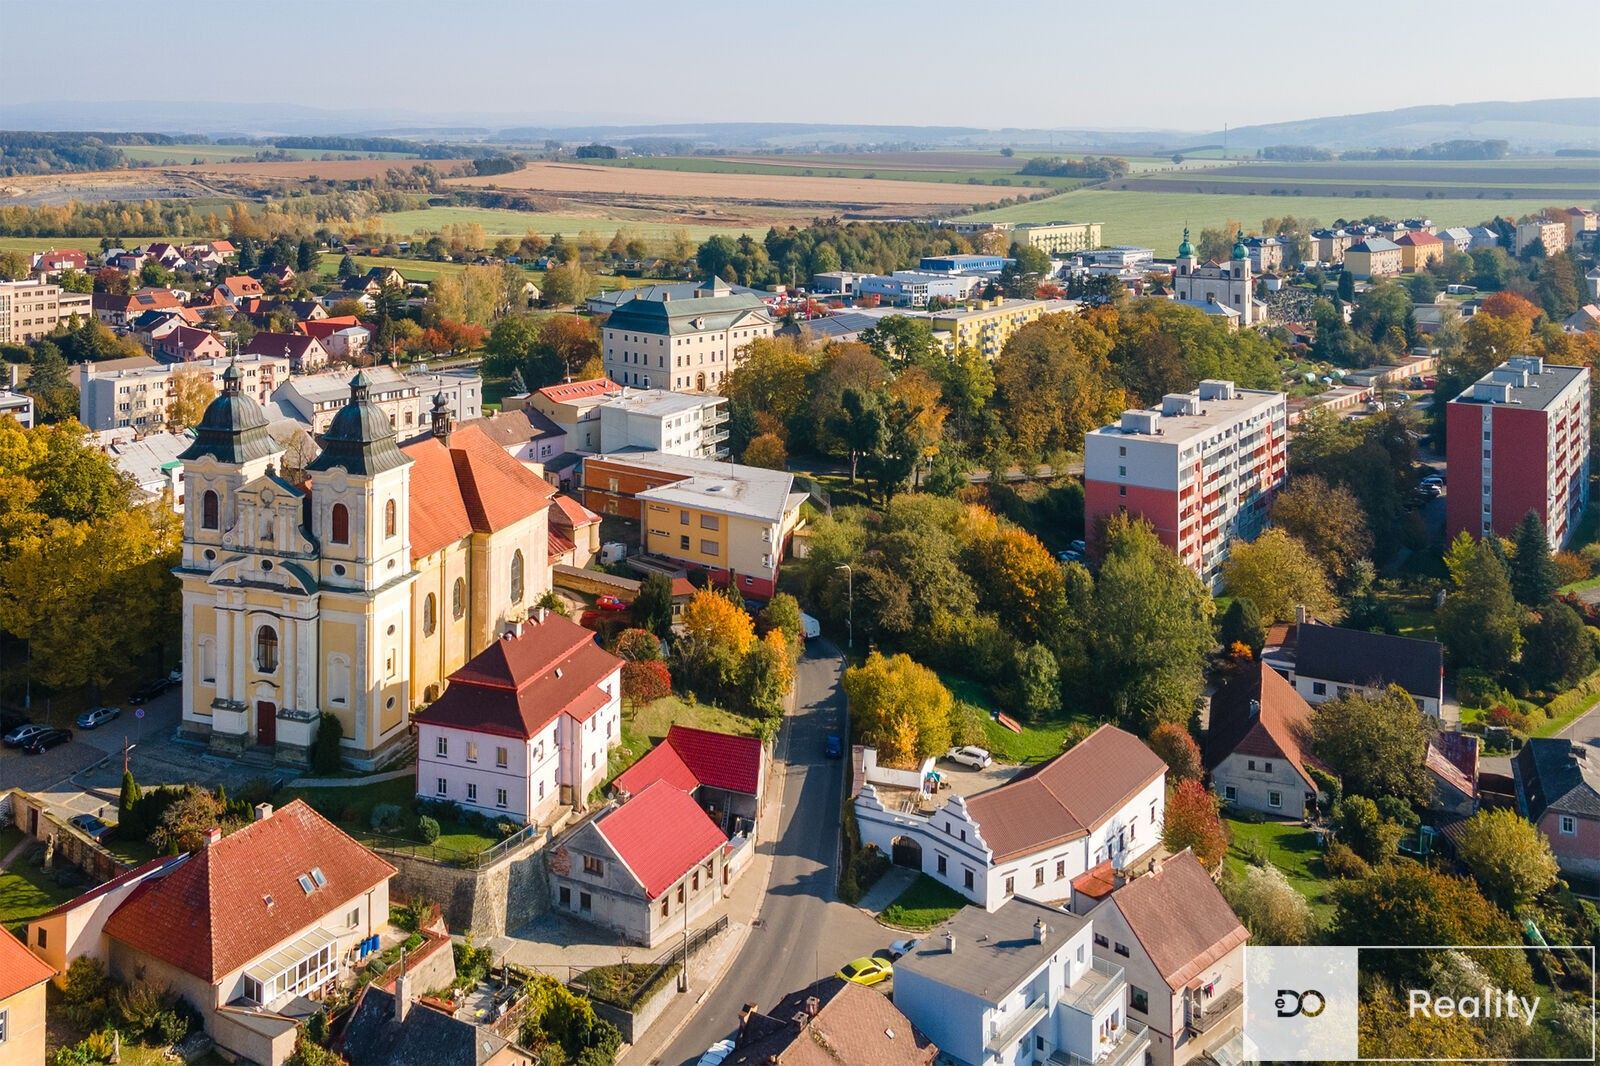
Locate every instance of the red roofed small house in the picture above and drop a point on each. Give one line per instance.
(240, 287)
(305, 353)
(638, 867)
(726, 773)
(22, 982)
(526, 726)
(1256, 750)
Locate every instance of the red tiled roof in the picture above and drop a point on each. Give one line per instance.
(135, 874)
(1453, 758)
(559, 545)
(660, 763)
(224, 247)
(1275, 729)
(1067, 797)
(323, 328)
(519, 684)
(660, 834)
(1419, 236)
(720, 760)
(243, 285)
(437, 511)
(1097, 882)
(210, 916)
(574, 513)
(682, 586)
(291, 344)
(580, 390)
(20, 969)
(1180, 919)
(469, 484)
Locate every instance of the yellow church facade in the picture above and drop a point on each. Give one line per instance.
(355, 591)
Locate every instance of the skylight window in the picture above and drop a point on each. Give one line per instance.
(318, 876)
(305, 883)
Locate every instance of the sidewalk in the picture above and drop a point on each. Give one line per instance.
(895, 880)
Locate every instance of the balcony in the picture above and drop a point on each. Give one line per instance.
(1129, 1047)
(1101, 981)
(1003, 1036)
(1217, 1010)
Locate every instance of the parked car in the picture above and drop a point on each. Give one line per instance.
(810, 626)
(149, 690)
(610, 603)
(971, 755)
(1079, 546)
(833, 747)
(716, 1053)
(867, 971)
(1430, 490)
(896, 949)
(43, 742)
(91, 825)
(1069, 556)
(19, 737)
(97, 716)
(1434, 479)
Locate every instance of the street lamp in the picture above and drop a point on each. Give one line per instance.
(850, 605)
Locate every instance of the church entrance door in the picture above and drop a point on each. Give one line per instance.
(266, 724)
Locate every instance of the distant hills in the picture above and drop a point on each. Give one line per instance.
(1534, 125)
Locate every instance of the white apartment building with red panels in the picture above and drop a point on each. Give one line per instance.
(1201, 468)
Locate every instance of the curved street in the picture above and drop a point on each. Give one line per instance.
(803, 933)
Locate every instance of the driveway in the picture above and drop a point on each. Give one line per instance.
(803, 932)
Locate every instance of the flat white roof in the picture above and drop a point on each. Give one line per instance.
(1180, 429)
(750, 491)
(659, 403)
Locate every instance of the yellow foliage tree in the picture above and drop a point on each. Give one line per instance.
(900, 707)
(192, 393)
(713, 620)
(1277, 573)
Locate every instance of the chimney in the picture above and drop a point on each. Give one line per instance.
(403, 992)
(540, 614)
(666, 297)
(1300, 614)
(263, 811)
(950, 943)
(516, 628)
(1039, 930)
(813, 1006)
(213, 835)
(744, 1023)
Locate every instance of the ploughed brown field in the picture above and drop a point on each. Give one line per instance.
(577, 179)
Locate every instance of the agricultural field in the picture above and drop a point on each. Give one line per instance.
(602, 183)
(1545, 180)
(1157, 219)
(501, 222)
(29, 245)
(855, 168)
(334, 170)
(223, 153)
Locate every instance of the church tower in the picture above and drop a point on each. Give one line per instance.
(1186, 261)
(360, 519)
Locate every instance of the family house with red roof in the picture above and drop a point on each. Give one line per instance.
(725, 773)
(249, 930)
(240, 287)
(1257, 750)
(22, 1020)
(1181, 948)
(343, 335)
(184, 344)
(646, 869)
(305, 353)
(1105, 798)
(56, 260)
(526, 726)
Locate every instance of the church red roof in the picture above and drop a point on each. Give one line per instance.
(468, 485)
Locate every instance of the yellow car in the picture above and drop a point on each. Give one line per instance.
(867, 971)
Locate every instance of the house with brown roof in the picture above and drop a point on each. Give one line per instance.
(574, 532)
(304, 352)
(184, 344)
(344, 336)
(250, 930)
(646, 869)
(1256, 748)
(1182, 949)
(575, 407)
(525, 727)
(22, 1022)
(239, 287)
(1452, 763)
(1105, 798)
(1418, 248)
(830, 1023)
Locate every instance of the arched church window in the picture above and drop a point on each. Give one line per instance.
(458, 599)
(208, 510)
(390, 524)
(516, 577)
(430, 615)
(267, 649)
(341, 524)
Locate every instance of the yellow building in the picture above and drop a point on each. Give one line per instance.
(22, 981)
(987, 328)
(1058, 238)
(356, 592)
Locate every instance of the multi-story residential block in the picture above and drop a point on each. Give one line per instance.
(987, 327)
(114, 395)
(407, 399)
(1552, 234)
(674, 423)
(574, 406)
(915, 288)
(526, 725)
(1058, 238)
(1456, 237)
(731, 521)
(1020, 985)
(1558, 790)
(1518, 441)
(18, 405)
(1201, 468)
(272, 914)
(684, 345)
(606, 302)
(461, 387)
(963, 264)
(1266, 253)
(1329, 245)
(1418, 248)
(33, 308)
(1231, 286)
(344, 337)
(1375, 257)
(1102, 800)
(1182, 949)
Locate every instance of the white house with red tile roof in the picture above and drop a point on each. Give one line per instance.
(575, 407)
(244, 927)
(240, 287)
(343, 335)
(727, 774)
(526, 726)
(305, 353)
(1105, 798)
(647, 869)
(186, 344)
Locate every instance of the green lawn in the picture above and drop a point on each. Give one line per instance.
(26, 892)
(1157, 218)
(1004, 173)
(89, 245)
(924, 904)
(351, 809)
(1033, 744)
(644, 727)
(1293, 849)
(504, 222)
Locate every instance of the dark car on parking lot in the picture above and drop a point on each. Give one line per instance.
(43, 742)
(149, 690)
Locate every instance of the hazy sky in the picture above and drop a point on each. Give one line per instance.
(990, 63)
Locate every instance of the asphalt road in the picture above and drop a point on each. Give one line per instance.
(803, 932)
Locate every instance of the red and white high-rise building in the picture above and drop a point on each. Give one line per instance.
(1202, 468)
(1518, 441)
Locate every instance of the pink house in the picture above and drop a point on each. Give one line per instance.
(1558, 790)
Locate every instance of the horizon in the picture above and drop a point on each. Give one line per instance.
(514, 79)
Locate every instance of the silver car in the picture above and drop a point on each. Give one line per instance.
(971, 755)
(97, 716)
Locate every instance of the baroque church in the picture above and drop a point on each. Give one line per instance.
(1216, 288)
(355, 590)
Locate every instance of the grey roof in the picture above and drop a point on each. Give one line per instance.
(744, 490)
(234, 428)
(1356, 657)
(831, 327)
(511, 428)
(426, 1038)
(1558, 775)
(679, 290)
(680, 316)
(1374, 244)
(994, 953)
(359, 438)
(1540, 391)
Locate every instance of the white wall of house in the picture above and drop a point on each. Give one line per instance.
(1254, 783)
(1315, 690)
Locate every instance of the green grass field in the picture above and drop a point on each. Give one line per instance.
(1293, 849)
(500, 222)
(859, 167)
(1157, 219)
(26, 891)
(224, 153)
(351, 809)
(84, 244)
(643, 727)
(1033, 744)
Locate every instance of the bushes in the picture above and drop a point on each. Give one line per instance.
(1477, 689)
(1340, 861)
(1571, 567)
(386, 818)
(1508, 718)
(427, 829)
(325, 748)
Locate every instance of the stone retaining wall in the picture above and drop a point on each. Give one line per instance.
(492, 900)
